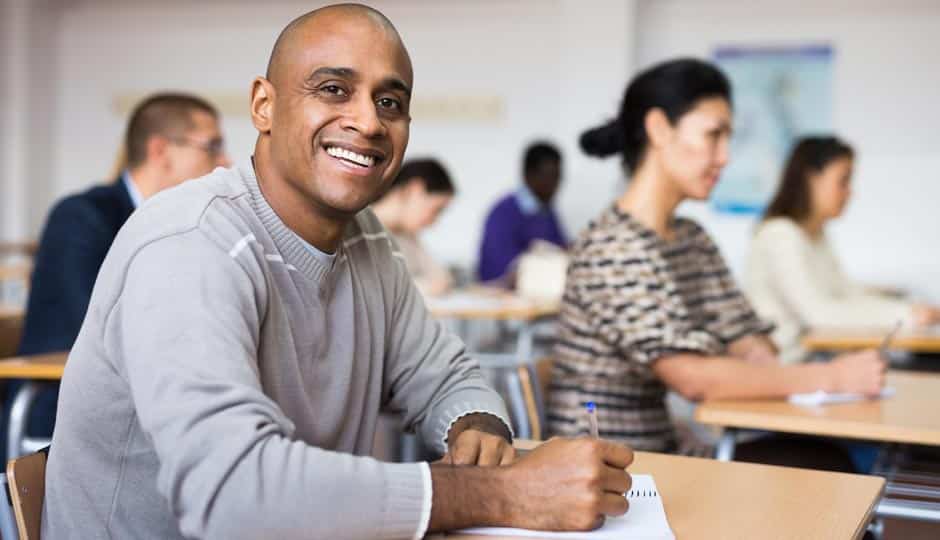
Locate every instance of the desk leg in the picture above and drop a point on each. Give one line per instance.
(18, 416)
(524, 343)
(725, 449)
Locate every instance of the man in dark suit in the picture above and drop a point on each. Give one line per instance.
(170, 138)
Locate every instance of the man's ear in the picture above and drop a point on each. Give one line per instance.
(262, 104)
(157, 149)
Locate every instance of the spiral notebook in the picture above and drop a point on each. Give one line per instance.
(645, 520)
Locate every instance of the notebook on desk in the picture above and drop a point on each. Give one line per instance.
(646, 519)
(813, 399)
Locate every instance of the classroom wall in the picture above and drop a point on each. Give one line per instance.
(886, 93)
(491, 75)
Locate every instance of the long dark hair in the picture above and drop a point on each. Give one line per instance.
(675, 87)
(810, 155)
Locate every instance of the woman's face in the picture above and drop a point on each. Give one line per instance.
(695, 149)
(423, 208)
(831, 188)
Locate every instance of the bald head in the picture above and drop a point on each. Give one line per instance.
(324, 19)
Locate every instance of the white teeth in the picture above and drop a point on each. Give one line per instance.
(359, 159)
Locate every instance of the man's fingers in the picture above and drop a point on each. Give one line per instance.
(466, 449)
(614, 505)
(509, 455)
(616, 455)
(616, 480)
(490, 451)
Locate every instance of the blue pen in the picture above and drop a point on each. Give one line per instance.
(592, 418)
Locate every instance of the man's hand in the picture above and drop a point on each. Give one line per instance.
(563, 485)
(570, 484)
(479, 439)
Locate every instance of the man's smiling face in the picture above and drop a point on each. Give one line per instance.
(340, 117)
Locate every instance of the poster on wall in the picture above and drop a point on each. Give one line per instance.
(780, 93)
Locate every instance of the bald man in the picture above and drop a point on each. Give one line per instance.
(247, 328)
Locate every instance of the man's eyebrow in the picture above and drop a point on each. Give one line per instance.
(394, 83)
(341, 72)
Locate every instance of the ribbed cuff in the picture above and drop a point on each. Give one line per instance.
(456, 411)
(405, 499)
(426, 501)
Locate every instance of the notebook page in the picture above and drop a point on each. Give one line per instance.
(823, 398)
(646, 519)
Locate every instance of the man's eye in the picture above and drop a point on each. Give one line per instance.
(389, 103)
(333, 89)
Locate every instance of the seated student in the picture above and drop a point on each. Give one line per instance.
(170, 138)
(793, 276)
(420, 192)
(247, 328)
(649, 303)
(524, 215)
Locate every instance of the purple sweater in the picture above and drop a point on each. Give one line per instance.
(508, 232)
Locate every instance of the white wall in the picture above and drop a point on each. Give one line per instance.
(555, 67)
(887, 104)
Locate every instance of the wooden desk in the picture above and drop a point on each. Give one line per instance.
(47, 367)
(11, 327)
(489, 304)
(846, 339)
(36, 369)
(910, 416)
(466, 306)
(705, 498)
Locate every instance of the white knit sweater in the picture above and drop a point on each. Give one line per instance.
(797, 282)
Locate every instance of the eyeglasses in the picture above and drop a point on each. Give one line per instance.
(213, 147)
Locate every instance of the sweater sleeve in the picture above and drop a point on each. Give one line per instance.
(186, 332)
(429, 376)
(789, 253)
(627, 305)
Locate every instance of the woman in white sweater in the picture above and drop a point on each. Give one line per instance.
(793, 276)
(418, 195)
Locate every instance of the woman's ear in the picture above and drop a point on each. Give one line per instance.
(415, 186)
(658, 128)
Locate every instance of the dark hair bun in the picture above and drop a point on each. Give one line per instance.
(603, 141)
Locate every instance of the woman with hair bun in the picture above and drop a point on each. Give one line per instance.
(649, 303)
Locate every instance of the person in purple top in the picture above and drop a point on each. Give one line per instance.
(524, 215)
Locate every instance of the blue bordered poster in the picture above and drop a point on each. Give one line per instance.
(780, 93)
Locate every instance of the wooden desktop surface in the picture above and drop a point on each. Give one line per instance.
(706, 499)
(40, 366)
(910, 416)
(925, 340)
(490, 304)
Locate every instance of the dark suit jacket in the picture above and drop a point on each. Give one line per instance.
(72, 247)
